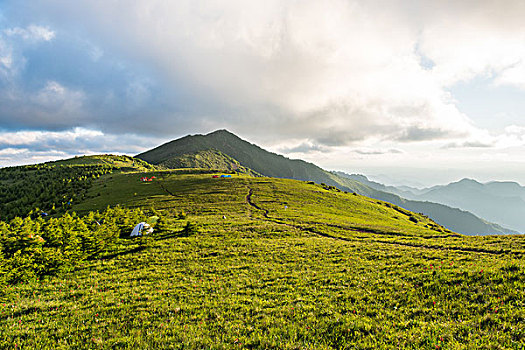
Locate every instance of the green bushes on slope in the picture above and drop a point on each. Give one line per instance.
(31, 248)
(53, 188)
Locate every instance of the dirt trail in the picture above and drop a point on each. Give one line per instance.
(167, 191)
(403, 244)
(266, 212)
(249, 201)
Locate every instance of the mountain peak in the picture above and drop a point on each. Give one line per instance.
(222, 149)
(468, 181)
(221, 132)
(247, 154)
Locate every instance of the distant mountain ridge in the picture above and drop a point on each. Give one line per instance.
(497, 201)
(500, 202)
(407, 193)
(273, 165)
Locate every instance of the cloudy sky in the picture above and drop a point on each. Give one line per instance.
(427, 91)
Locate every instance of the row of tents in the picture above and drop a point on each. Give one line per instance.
(145, 178)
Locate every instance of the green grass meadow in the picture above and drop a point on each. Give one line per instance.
(272, 264)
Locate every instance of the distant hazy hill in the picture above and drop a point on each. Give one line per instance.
(274, 165)
(453, 218)
(500, 202)
(403, 191)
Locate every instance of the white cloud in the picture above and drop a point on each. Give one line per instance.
(512, 137)
(57, 98)
(26, 138)
(375, 151)
(24, 147)
(6, 59)
(341, 70)
(326, 74)
(513, 75)
(11, 152)
(96, 53)
(11, 40)
(31, 33)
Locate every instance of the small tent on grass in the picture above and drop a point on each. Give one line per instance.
(139, 229)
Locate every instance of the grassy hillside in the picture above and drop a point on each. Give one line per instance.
(207, 159)
(55, 186)
(274, 165)
(121, 163)
(306, 204)
(247, 154)
(260, 263)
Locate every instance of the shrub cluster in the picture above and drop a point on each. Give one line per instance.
(53, 188)
(33, 247)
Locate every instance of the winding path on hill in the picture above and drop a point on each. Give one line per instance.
(265, 213)
(165, 189)
(403, 244)
(250, 202)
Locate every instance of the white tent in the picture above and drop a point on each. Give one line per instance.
(137, 230)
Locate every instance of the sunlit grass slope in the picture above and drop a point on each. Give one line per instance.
(207, 159)
(52, 187)
(123, 163)
(275, 264)
(290, 201)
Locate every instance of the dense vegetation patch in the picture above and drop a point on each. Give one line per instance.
(207, 159)
(54, 187)
(33, 247)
